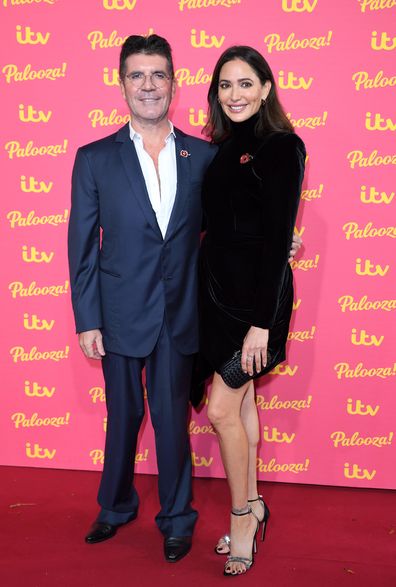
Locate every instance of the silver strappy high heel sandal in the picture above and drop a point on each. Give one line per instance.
(223, 545)
(247, 562)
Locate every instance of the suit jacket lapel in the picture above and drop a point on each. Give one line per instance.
(183, 181)
(135, 176)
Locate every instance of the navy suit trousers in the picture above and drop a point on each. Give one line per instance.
(168, 378)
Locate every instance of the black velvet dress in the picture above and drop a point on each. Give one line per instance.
(251, 193)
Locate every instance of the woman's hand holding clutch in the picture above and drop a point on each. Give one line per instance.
(254, 350)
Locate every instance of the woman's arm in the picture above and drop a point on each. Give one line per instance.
(281, 178)
(282, 175)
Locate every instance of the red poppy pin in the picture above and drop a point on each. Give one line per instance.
(245, 158)
(184, 153)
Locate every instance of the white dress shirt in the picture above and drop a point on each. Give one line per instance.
(161, 193)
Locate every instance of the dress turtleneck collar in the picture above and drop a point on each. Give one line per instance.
(246, 127)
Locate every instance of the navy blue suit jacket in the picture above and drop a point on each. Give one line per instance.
(127, 278)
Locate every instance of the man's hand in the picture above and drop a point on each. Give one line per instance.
(91, 344)
(296, 244)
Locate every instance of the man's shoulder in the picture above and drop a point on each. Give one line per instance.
(105, 142)
(196, 142)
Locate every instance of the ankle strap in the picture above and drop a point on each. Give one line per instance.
(241, 512)
(259, 498)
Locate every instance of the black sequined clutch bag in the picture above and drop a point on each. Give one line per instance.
(232, 374)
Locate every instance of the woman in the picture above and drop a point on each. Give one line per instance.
(250, 200)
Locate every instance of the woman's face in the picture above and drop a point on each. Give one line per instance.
(240, 91)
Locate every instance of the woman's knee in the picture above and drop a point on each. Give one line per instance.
(219, 416)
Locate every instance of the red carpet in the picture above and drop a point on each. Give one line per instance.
(317, 536)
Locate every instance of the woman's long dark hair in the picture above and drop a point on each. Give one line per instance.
(271, 114)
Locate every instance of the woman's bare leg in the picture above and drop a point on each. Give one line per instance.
(224, 412)
(250, 422)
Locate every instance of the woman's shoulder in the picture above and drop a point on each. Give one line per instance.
(282, 142)
(279, 150)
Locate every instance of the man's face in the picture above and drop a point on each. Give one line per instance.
(147, 87)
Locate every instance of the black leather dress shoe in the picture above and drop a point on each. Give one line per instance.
(175, 547)
(99, 532)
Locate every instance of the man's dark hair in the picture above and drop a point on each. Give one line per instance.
(151, 45)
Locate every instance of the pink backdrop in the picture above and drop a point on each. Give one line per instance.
(327, 415)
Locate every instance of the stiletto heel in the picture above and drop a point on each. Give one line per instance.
(265, 518)
(264, 528)
(248, 562)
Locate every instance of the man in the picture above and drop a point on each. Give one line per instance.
(138, 290)
(135, 294)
